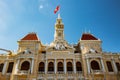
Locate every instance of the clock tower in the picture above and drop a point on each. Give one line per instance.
(59, 30)
(59, 42)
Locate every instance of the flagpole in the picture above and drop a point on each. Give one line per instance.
(59, 9)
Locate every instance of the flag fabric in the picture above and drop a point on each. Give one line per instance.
(56, 9)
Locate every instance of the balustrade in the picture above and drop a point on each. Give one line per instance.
(24, 72)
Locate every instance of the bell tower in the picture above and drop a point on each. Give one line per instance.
(59, 29)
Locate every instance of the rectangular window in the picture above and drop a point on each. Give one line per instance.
(118, 66)
(109, 65)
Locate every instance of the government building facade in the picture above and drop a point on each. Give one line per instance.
(59, 60)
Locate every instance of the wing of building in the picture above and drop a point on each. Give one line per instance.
(60, 60)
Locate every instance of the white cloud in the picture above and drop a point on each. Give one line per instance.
(41, 7)
(48, 7)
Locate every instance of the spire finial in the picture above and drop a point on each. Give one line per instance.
(59, 16)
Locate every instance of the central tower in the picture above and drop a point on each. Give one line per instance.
(59, 30)
(59, 42)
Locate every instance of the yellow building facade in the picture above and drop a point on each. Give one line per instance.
(59, 60)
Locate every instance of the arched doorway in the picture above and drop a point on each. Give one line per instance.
(60, 66)
(78, 66)
(95, 65)
(69, 66)
(41, 67)
(50, 67)
(25, 65)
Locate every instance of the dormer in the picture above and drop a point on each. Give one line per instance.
(90, 44)
(30, 41)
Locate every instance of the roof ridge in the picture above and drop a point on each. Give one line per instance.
(30, 36)
(88, 36)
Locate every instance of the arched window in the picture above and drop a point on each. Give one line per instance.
(1, 67)
(78, 66)
(10, 67)
(25, 65)
(69, 66)
(50, 66)
(95, 65)
(109, 66)
(60, 66)
(41, 67)
(118, 66)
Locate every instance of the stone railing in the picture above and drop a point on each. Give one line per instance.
(23, 72)
(59, 74)
(50, 72)
(70, 72)
(97, 72)
(79, 72)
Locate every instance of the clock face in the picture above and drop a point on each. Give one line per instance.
(59, 34)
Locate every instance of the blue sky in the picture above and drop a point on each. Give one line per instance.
(100, 17)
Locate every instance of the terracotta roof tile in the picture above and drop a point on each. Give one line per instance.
(30, 36)
(88, 36)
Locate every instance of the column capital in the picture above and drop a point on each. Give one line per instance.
(32, 58)
(74, 59)
(119, 57)
(64, 58)
(112, 58)
(87, 57)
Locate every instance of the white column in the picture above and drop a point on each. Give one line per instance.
(16, 66)
(46, 66)
(65, 66)
(88, 65)
(103, 68)
(115, 68)
(4, 68)
(32, 65)
(74, 63)
(55, 66)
